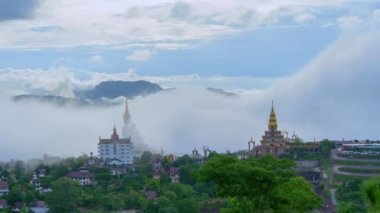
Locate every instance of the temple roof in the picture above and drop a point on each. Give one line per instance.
(272, 120)
(114, 135)
(120, 140)
(115, 139)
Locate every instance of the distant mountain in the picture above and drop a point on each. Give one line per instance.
(114, 89)
(102, 95)
(222, 92)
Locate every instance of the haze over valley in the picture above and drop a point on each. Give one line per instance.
(323, 85)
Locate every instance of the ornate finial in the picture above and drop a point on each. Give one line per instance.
(272, 120)
(114, 135)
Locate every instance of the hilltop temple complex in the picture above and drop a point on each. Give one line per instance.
(275, 143)
(272, 142)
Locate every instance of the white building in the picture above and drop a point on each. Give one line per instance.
(83, 178)
(116, 151)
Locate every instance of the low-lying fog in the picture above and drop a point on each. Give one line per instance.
(335, 96)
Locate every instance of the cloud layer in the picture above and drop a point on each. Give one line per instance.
(166, 24)
(334, 97)
(141, 55)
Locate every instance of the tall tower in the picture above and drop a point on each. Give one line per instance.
(272, 120)
(126, 115)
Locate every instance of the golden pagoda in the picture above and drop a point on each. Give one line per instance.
(272, 120)
(272, 142)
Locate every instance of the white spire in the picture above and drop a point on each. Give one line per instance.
(126, 116)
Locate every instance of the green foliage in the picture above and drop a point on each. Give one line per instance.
(371, 193)
(350, 197)
(65, 196)
(194, 193)
(326, 147)
(255, 185)
(57, 171)
(347, 207)
(15, 195)
(75, 163)
(296, 195)
(112, 201)
(184, 160)
(189, 173)
(103, 176)
(19, 170)
(136, 200)
(145, 158)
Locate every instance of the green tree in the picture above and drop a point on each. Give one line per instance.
(254, 185)
(326, 147)
(57, 171)
(135, 200)
(30, 197)
(112, 201)
(350, 196)
(19, 170)
(371, 193)
(188, 173)
(65, 196)
(184, 160)
(296, 195)
(187, 205)
(15, 195)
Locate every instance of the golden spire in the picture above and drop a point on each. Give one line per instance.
(272, 120)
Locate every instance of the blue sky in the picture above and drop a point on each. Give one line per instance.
(163, 38)
(264, 52)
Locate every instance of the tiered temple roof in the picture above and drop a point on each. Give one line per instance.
(115, 139)
(272, 142)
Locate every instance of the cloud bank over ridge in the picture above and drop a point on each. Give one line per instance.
(334, 96)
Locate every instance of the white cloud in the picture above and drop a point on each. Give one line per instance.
(376, 16)
(96, 58)
(140, 55)
(124, 22)
(349, 22)
(57, 81)
(304, 17)
(334, 97)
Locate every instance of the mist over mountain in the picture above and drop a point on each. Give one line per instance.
(104, 94)
(114, 89)
(107, 93)
(222, 92)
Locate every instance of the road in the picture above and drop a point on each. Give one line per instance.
(336, 157)
(337, 171)
(336, 167)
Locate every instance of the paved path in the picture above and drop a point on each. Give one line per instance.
(337, 171)
(336, 167)
(333, 197)
(336, 157)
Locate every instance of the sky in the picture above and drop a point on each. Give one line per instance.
(318, 61)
